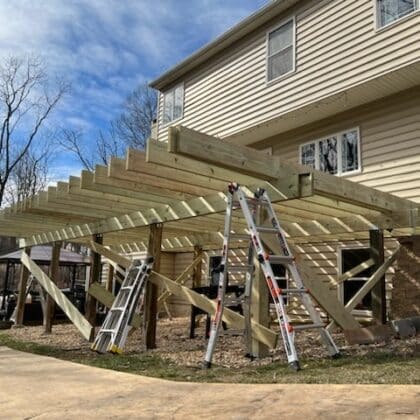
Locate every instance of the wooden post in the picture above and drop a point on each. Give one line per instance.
(110, 278)
(54, 272)
(377, 252)
(152, 291)
(198, 252)
(95, 274)
(23, 282)
(5, 286)
(259, 301)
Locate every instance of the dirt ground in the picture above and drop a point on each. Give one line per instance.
(175, 345)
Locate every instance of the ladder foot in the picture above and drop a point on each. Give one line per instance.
(206, 365)
(336, 356)
(294, 366)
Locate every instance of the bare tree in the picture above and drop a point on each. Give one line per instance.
(25, 104)
(29, 177)
(134, 124)
(107, 145)
(132, 128)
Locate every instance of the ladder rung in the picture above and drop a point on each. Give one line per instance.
(106, 331)
(307, 327)
(280, 259)
(266, 229)
(294, 290)
(240, 236)
(119, 308)
(127, 288)
(237, 268)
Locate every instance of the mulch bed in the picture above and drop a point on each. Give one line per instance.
(175, 345)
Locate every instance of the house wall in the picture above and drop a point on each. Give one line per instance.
(337, 48)
(390, 142)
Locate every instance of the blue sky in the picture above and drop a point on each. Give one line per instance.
(107, 47)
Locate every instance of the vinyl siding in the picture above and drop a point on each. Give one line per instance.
(390, 143)
(337, 48)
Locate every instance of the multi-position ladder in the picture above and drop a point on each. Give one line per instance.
(114, 331)
(251, 208)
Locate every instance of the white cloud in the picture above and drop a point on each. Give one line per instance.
(106, 47)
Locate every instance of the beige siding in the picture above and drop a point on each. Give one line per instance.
(337, 48)
(390, 143)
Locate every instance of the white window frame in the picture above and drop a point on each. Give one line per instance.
(164, 95)
(379, 27)
(267, 49)
(340, 288)
(339, 152)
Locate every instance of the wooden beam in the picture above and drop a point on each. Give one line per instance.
(54, 273)
(181, 279)
(95, 277)
(23, 282)
(369, 284)
(107, 253)
(319, 290)
(78, 320)
(355, 193)
(197, 273)
(107, 298)
(205, 148)
(152, 290)
(232, 318)
(377, 252)
(355, 271)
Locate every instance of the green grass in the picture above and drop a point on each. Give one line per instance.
(374, 368)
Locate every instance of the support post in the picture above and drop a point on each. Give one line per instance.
(259, 301)
(377, 252)
(23, 282)
(110, 278)
(95, 274)
(53, 274)
(198, 252)
(5, 286)
(152, 291)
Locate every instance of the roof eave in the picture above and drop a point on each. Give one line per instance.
(243, 28)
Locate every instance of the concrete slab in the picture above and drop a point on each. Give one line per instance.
(44, 388)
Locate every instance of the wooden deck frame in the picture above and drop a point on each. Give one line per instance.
(78, 320)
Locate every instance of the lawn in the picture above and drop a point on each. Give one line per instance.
(372, 367)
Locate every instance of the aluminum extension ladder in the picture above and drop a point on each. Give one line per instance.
(259, 202)
(116, 326)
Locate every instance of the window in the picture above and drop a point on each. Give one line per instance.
(389, 11)
(348, 259)
(173, 104)
(337, 154)
(281, 50)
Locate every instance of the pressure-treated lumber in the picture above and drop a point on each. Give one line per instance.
(95, 277)
(320, 291)
(79, 321)
(355, 271)
(181, 279)
(242, 159)
(54, 272)
(369, 284)
(197, 273)
(107, 298)
(152, 290)
(107, 253)
(377, 252)
(23, 282)
(233, 319)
